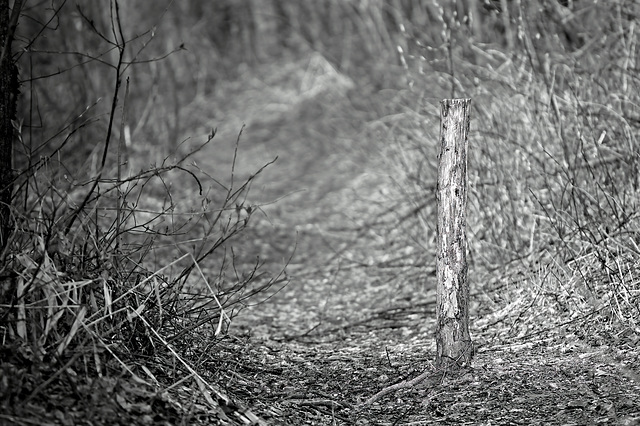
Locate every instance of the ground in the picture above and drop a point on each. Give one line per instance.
(350, 323)
(349, 340)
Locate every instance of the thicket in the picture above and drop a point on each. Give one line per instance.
(113, 218)
(553, 165)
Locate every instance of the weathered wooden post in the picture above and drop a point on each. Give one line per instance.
(453, 340)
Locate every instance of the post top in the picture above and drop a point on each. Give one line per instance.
(456, 100)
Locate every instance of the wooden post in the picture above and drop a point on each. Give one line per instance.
(452, 336)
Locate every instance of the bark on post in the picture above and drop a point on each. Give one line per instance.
(452, 336)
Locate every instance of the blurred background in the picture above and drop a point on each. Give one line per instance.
(343, 97)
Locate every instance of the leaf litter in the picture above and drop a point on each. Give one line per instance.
(357, 317)
(349, 340)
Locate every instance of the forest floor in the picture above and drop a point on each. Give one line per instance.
(356, 318)
(349, 340)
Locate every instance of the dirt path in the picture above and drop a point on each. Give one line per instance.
(346, 327)
(548, 382)
(317, 198)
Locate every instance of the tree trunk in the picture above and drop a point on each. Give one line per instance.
(452, 336)
(8, 102)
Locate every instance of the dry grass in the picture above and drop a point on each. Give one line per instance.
(553, 167)
(102, 286)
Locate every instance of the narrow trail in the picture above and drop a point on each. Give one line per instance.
(316, 200)
(344, 328)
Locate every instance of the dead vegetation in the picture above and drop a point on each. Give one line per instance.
(280, 270)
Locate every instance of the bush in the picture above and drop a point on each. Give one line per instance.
(104, 273)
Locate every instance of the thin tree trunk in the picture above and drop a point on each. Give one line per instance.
(8, 103)
(452, 336)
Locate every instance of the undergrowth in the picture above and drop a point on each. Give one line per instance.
(553, 166)
(104, 292)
